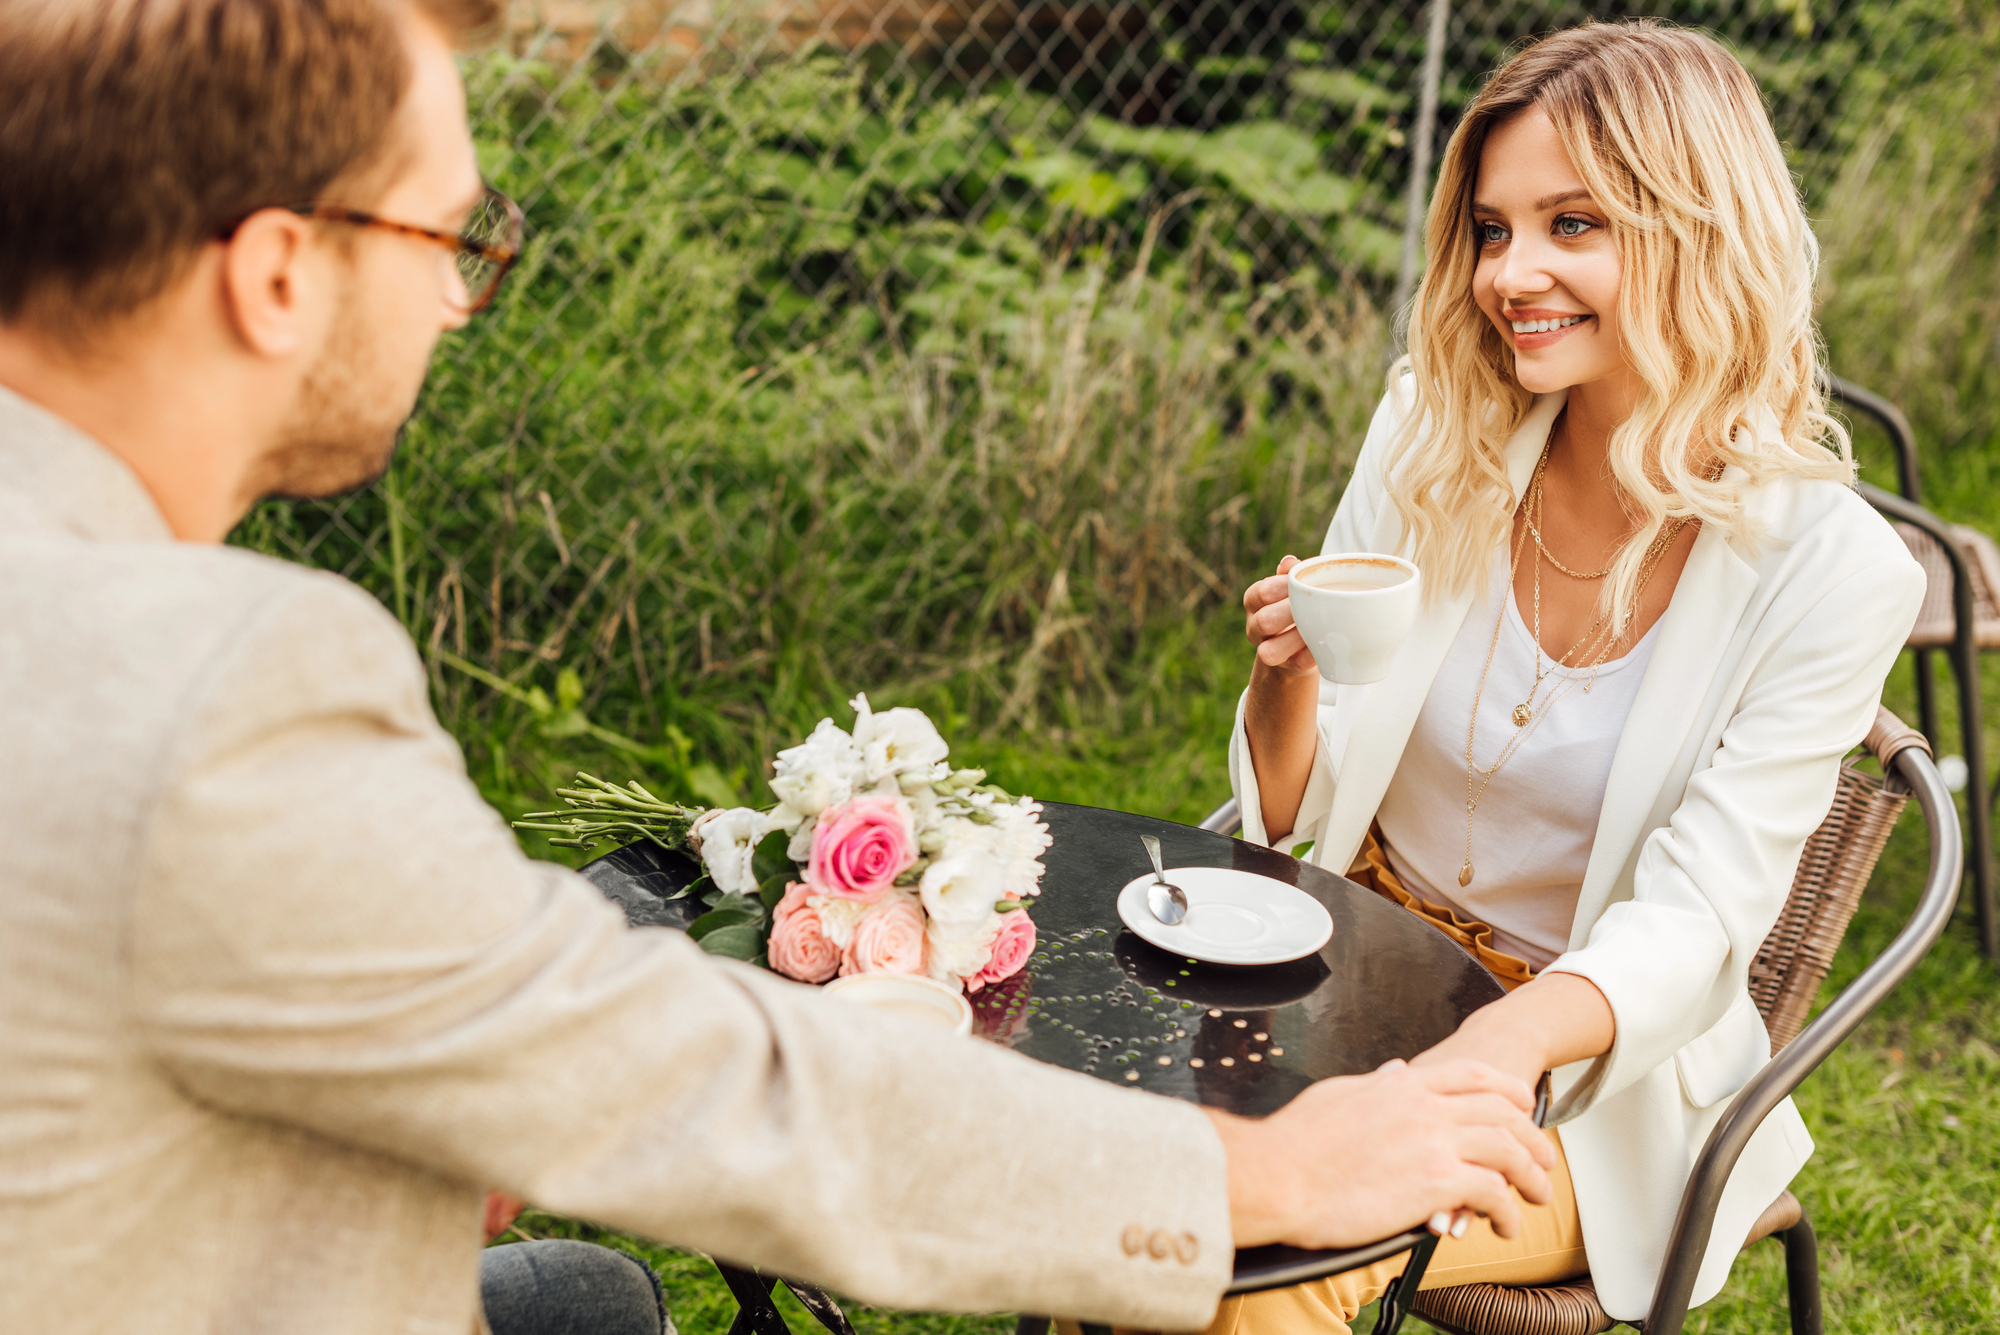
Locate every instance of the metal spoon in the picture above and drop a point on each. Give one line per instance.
(1167, 901)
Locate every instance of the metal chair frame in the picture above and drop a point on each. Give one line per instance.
(1913, 769)
(1964, 652)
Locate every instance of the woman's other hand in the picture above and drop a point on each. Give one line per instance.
(1557, 1019)
(1267, 620)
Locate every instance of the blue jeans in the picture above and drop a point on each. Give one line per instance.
(560, 1287)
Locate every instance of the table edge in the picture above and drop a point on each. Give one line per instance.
(1318, 1265)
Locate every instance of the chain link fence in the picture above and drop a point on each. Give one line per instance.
(977, 348)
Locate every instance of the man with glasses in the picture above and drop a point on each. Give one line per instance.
(281, 1001)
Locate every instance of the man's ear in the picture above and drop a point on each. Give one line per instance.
(272, 290)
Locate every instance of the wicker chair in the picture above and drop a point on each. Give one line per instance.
(1960, 615)
(1784, 980)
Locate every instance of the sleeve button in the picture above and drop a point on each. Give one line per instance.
(1187, 1247)
(1134, 1239)
(1161, 1244)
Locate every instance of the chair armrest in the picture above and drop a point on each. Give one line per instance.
(1225, 819)
(1786, 1071)
(1961, 574)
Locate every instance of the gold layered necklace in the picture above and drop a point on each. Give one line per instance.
(1528, 715)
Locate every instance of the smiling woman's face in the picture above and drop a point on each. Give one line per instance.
(1548, 273)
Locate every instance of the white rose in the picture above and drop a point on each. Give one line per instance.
(961, 889)
(818, 773)
(896, 741)
(959, 950)
(727, 840)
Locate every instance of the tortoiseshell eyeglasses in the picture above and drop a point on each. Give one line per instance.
(485, 250)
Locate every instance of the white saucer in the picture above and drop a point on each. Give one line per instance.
(1233, 917)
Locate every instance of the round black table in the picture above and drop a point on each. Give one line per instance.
(1097, 999)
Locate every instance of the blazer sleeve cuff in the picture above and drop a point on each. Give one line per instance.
(1314, 806)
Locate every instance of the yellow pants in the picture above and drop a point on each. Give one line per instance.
(1550, 1245)
(1549, 1248)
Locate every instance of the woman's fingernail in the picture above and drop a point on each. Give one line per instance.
(1440, 1222)
(1459, 1226)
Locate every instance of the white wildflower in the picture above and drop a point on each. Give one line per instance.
(959, 950)
(837, 917)
(1019, 840)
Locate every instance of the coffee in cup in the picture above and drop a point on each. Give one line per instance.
(1353, 610)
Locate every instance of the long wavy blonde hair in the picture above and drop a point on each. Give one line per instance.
(1669, 133)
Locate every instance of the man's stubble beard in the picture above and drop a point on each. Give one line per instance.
(342, 431)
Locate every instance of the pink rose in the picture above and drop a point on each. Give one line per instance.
(798, 947)
(1010, 950)
(860, 847)
(888, 939)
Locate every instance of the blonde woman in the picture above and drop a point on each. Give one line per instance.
(1656, 617)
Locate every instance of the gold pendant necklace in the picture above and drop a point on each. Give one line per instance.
(1525, 717)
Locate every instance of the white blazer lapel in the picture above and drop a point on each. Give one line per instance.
(1715, 587)
(1379, 718)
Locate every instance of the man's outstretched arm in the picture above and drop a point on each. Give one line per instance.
(334, 932)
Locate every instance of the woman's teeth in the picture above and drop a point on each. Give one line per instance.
(1544, 326)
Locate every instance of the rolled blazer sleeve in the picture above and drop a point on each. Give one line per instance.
(1708, 885)
(335, 932)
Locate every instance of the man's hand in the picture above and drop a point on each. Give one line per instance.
(1358, 1158)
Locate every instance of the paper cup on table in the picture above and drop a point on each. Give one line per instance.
(907, 995)
(1353, 610)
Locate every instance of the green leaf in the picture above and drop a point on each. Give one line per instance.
(773, 890)
(727, 911)
(771, 860)
(739, 941)
(1300, 850)
(569, 689)
(1346, 90)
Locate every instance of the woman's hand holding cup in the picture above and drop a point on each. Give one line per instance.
(1267, 621)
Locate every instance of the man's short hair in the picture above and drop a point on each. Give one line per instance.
(132, 132)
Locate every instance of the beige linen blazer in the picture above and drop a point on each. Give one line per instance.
(1767, 671)
(280, 998)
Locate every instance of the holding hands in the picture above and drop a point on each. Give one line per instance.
(1357, 1158)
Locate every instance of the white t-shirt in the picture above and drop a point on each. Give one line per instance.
(1532, 834)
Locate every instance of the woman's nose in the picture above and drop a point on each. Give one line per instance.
(1523, 271)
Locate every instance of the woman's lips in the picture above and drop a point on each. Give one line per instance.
(1549, 337)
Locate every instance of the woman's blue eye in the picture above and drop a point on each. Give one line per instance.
(1489, 233)
(1573, 227)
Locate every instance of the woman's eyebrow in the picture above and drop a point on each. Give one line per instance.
(1542, 205)
(1547, 202)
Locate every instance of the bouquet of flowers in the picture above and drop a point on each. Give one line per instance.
(878, 857)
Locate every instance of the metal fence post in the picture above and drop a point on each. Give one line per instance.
(1420, 151)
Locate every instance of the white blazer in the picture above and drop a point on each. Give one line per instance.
(1769, 663)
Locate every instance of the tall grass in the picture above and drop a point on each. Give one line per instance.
(1000, 479)
(805, 386)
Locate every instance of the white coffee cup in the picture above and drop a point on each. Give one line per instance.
(1354, 609)
(909, 995)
